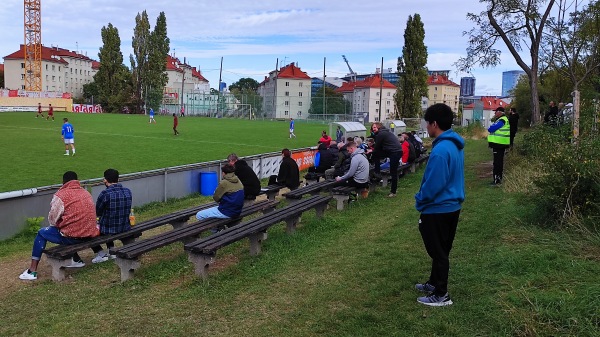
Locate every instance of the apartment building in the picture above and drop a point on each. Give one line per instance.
(286, 93)
(183, 77)
(365, 98)
(442, 90)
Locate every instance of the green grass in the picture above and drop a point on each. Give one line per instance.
(32, 149)
(351, 273)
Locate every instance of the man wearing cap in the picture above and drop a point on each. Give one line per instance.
(499, 141)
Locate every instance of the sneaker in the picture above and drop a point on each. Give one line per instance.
(100, 257)
(66, 154)
(76, 264)
(28, 276)
(425, 287)
(434, 300)
(112, 257)
(392, 195)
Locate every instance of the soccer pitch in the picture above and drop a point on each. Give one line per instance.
(32, 151)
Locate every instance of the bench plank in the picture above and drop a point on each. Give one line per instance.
(310, 189)
(202, 252)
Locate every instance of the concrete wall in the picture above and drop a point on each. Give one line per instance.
(59, 104)
(146, 187)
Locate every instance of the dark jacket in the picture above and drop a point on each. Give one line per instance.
(326, 161)
(334, 151)
(289, 174)
(344, 160)
(247, 177)
(513, 120)
(386, 143)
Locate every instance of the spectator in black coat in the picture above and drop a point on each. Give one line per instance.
(289, 174)
(387, 146)
(326, 161)
(246, 175)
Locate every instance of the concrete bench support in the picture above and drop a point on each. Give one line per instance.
(127, 267)
(201, 263)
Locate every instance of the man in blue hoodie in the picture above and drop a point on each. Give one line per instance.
(439, 201)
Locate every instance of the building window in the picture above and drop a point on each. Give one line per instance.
(46, 78)
(46, 67)
(59, 78)
(287, 103)
(389, 94)
(23, 65)
(388, 102)
(22, 76)
(388, 110)
(377, 110)
(300, 84)
(287, 84)
(434, 95)
(286, 112)
(299, 113)
(58, 68)
(22, 86)
(377, 93)
(299, 103)
(376, 102)
(53, 78)
(300, 94)
(53, 67)
(287, 93)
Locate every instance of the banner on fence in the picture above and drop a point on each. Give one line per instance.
(87, 108)
(304, 159)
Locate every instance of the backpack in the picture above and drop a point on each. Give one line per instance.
(419, 149)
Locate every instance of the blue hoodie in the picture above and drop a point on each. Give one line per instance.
(443, 185)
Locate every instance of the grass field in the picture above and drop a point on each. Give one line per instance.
(32, 150)
(350, 274)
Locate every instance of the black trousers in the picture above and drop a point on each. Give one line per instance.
(394, 163)
(353, 183)
(498, 163)
(437, 231)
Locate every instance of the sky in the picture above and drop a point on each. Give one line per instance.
(252, 35)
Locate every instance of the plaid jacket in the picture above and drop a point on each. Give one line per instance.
(113, 207)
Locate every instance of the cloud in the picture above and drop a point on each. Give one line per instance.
(268, 17)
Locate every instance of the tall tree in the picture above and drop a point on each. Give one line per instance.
(412, 82)
(139, 60)
(157, 54)
(517, 23)
(111, 82)
(245, 83)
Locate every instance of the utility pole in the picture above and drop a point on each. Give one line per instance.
(219, 88)
(275, 88)
(380, 88)
(324, 112)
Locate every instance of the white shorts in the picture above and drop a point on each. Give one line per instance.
(291, 130)
(151, 118)
(69, 140)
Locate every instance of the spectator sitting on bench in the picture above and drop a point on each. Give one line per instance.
(289, 174)
(72, 220)
(358, 174)
(342, 164)
(229, 194)
(246, 175)
(113, 207)
(408, 150)
(326, 160)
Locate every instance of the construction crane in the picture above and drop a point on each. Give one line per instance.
(33, 45)
(352, 73)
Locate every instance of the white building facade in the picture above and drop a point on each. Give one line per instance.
(286, 93)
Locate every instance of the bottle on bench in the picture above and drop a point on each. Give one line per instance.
(132, 218)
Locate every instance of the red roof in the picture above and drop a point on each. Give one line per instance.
(198, 75)
(291, 71)
(1, 66)
(174, 64)
(95, 65)
(489, 103)
(440, 80)
(49, 54)
(369, 82)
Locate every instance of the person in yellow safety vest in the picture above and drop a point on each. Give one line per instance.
(499, 141)
(392, 127)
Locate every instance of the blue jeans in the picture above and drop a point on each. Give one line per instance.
(53, 235)
(212, 212)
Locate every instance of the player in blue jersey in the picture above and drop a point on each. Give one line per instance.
(67, 136)
(292, 128)
(151, 113)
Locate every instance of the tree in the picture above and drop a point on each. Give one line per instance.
(335, 104)
(157, 54)
(412, 84)
(245, 91)
(112, 85)
(517, 23)
(245, 83)
(139, 60)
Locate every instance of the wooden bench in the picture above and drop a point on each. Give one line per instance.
(422, 160)
(128, 255)
(312, 189)
(60, 256)
(202, 252)
(345, 194)
(270, 191)
(317, 175)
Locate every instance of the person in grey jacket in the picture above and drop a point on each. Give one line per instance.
(358, 174)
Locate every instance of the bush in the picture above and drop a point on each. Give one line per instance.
(473, 131)
(567, 192)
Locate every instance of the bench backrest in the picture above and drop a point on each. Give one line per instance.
(316, 187)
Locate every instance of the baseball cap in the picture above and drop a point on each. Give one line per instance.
(501, 109)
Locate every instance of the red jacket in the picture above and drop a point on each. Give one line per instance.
(325, 140)
(72, 210)
(405, 151)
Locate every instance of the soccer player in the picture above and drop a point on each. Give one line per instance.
(39, 113)
(50, 112)
(175, 123)
(67, 136)
(292, 128)
(151, 113)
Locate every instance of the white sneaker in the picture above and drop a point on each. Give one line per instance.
(78, 264)
(28, 276)
(66, 154)
(100, 257)
(112, 257)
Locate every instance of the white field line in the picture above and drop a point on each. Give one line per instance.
(142, 137)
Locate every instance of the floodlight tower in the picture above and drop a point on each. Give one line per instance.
(33, 44)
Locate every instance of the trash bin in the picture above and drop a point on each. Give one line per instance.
(208, 183)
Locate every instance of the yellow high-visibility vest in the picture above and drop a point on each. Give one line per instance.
(502, 135)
